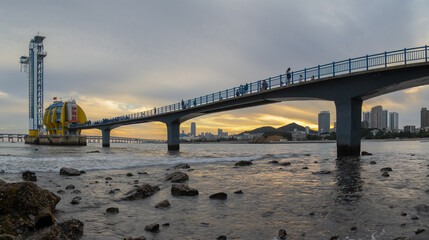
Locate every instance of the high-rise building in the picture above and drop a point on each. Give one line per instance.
(366, 117)
(394, 121)
(324, 122)
(193, 129)
(376, 117)
(384, 119)
(410, 128)
(424, 118)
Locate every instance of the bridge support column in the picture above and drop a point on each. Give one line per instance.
(173, 135)
(348, 127)
(105, 133)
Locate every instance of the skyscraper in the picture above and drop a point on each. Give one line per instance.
(366, 119)
(376, 117)
(394, 121)
(324, 122)
(193, 129)
(424, 119)
(384, 119)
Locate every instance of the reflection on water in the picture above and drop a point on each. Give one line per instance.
(349, 182)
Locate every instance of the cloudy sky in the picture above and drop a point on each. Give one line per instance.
(119, 57)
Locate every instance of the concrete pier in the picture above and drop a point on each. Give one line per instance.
(348, 127)
(173, 135)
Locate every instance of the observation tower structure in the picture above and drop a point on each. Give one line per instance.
(33, 65)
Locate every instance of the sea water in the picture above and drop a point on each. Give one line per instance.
(351, 201)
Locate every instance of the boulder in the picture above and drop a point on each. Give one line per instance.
(108, 179)
(285, 163)
(183, 190)
(282, 234)
(154, 227)
(29, 176)
(162, 205)
(385, 174)
(373, 162)
(238, 192)
(219, 196)
(386, 169)
(182, 166)
(69, 172)
(141, 192)
(71, 186)
(138, 238)
(24, 207)
(222, 237)
(177, 177)
(67, 230)
(273, 162)
(112, 210)
(130, 174)
(76, 200)
(243, 163)
(366, 153)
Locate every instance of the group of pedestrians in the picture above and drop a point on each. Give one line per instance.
(243, 89)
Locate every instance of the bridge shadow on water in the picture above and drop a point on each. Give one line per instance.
(349, 182)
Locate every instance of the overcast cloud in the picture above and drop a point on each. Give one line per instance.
(118, 57)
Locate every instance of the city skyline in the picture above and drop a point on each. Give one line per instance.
(114, 66)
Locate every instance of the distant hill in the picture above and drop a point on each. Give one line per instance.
(287, 128)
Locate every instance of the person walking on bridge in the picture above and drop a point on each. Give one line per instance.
(288, 76)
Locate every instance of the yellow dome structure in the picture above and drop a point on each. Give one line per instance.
(60, 115)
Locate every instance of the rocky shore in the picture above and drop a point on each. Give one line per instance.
(267, 199)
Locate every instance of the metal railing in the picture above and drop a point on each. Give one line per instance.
(379, 60)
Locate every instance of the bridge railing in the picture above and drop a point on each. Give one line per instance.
(379, 60)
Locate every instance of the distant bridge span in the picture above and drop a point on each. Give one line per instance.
(348, 83)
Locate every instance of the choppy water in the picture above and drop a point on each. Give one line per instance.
(307, 205)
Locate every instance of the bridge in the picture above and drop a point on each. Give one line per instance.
(347, 83)
(12, 137)
(98, 139)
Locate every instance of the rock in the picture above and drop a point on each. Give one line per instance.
(420, 230)
(166, 224)
(427, 191)
(243, 163)
(316, 162)
(142, 173)
(353, 228)
(305, 168)
(76, 200)
(285, 163)
(82, 172)
(312, 214)
(373, 162)
(71, 186)
(182, 166)
(414, 218)
(282, 234)
(69, 172)
(67, 230)
(366, 153)
(93, 152)
(138, 238)
(238, 192)
(222, 237)
(403, 214)
(219, 196)
(386, 169)
(114, 191)
(273, 162)
(307, 154)
(108, 179)
(177, 177)
(29, 176)
(60, 191)
(322, 172)
(2, 171)
(162, 205)
(183, 190)
(136, 181)
(422, 209)
(24, 207)
(141, 192)
(76, 191)
(112, 210)
(385, 174)
(154, 227)
(335, 237)
(130, 174)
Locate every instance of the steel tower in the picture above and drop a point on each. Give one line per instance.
(34, 65)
